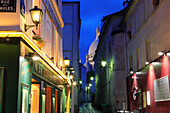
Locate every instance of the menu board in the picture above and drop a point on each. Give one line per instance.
(161, 89)
(7, 5)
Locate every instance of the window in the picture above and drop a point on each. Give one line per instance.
(129, 31)
(147, 48)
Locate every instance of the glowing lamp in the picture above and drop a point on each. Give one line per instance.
(71, 76)
(74, 83)
(66, 62)
(103, 63)
(36, 15)
(131, 72)
(35, 57)
(91, 78)
(90, 84)
(160, 53)
(80, 82)
(146, 63)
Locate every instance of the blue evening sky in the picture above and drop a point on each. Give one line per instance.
(91, 13)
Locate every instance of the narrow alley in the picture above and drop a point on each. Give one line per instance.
(87, 108)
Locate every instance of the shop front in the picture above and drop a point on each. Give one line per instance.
(148, 88)
(27, 85)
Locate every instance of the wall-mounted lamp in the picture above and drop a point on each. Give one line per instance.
(160, 53)
(66, 62)
(33, 55)
(74, 83)
(36, 15)
(90, 84)
(71, 76)
(103, 63)
(131, 71)
(88, 87)
(80, 82)
(146, 63)
(91, 78)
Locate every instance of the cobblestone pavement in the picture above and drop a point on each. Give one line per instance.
(87, 108)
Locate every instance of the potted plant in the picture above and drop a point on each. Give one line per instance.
(40, 42)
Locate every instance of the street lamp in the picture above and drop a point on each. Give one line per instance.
(36, 15)
(80, 82)
(74, 83)
(103, 63)
(90, 84)
(66, 62)
(91, 78)
(71, 76)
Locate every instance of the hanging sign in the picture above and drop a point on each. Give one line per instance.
(7, 5)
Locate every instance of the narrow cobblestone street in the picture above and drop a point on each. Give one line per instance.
(87, 108)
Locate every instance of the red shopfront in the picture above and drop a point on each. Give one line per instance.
(148, 89)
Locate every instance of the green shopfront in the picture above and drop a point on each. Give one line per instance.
(28, 86)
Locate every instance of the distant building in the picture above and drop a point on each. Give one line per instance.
(147, 33)
(110, 81)
(93, 48)
(71, 36)
(89, 64)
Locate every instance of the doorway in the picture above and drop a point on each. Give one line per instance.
(35, 97)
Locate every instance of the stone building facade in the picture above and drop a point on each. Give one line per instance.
(110, 81)
(147, 33)
(71, 35)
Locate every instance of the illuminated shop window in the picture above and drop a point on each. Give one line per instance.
(148, 98)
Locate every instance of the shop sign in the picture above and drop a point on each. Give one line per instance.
(44, 72)
(161, 89)
(7, 5)
(22, 7)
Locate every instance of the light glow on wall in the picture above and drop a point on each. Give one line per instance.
(148, 98)
(30, 42)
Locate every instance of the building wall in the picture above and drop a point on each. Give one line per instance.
(149, 23)
(49, 29)
(111, 49)
(71, 31)
(154, 27)
(83, 75)
(16, 74)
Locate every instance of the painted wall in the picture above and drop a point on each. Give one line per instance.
(110, 81)
(145, 82)
(152, 25)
